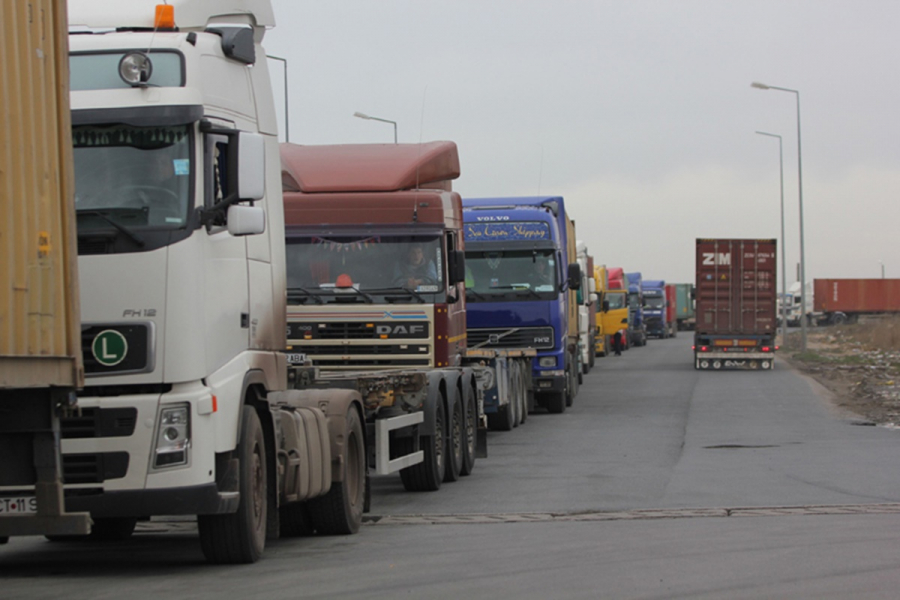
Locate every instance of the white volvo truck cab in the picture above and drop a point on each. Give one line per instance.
(182, 276)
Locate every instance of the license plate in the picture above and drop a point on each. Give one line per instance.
(296, 358)
(21, 505)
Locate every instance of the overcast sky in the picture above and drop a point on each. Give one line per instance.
(639, 113)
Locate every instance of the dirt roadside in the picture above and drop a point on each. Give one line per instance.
(859, 364)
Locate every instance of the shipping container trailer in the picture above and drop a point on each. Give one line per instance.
(837, 301)
(41, 364)
(735, 304)
(671, 312)
(684, 305)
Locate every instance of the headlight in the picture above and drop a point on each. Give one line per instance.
(173, 437)
(135, 68)
(547, 361)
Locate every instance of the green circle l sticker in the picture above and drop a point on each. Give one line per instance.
(109, 347)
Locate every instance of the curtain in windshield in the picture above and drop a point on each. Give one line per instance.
(134, 171)
(366, 262)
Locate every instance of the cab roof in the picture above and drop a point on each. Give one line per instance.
(368, 167)
(189, 14)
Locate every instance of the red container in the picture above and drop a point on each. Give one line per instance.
(856, 295)
(735, 287)
(671, 303)
(616, 278)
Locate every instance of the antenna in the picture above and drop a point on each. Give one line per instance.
(541, 171)
(421, 126)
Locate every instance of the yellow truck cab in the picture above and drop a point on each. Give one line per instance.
(612, 312)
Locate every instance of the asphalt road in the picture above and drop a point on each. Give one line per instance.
(660, 482)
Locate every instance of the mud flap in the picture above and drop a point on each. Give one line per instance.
(481, 444)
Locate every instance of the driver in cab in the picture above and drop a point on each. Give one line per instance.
(416, 270)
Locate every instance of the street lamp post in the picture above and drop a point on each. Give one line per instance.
(763, 86)
(287, 124)
(783, 267)
(364, 116)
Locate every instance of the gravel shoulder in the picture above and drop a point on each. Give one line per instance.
(859, 364)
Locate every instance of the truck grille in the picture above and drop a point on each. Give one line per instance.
(99, 422)
(358, 331)
(94, 468)
(541, 338)
(373, 363)
(374, 350)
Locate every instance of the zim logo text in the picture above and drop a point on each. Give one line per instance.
(714, 258)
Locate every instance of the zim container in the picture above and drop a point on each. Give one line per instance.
(735, 286)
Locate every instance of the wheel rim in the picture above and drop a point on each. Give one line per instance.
(353, 469)
(470, 430)
(439, 442)
(258, 491)
(457, 436)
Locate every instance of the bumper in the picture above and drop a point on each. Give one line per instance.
(195, 500)
(549, 384)
(731, 360)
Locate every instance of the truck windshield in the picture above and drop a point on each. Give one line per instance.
(654, 302)
(142, 172)
(384, 268)
(634, 300)
(510, 275)
(616, 300)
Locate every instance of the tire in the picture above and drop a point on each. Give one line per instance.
(523, 394)
(240, 537)
(470, 431)
(516, 400)
(556, 402)
(428, 475)
(339, 512)
(455, 440)
(571, 388)
(502, 420)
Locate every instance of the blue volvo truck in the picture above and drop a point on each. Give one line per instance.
(521, 280)
(655, 308)
(637, 327)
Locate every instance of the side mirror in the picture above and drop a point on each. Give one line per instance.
(251, 166)
(574, 276)
(592, 285)
(606, 306)
(246, 220)
(593, 297)
(456, 267)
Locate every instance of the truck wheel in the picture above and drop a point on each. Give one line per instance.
(556, 402)
(523, 394)
(339, 512)
(455, 441)
(471, 431)
(571, 388)
(428, 475)
(515, 403)
(241, 536)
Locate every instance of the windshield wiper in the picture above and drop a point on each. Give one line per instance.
(478, 295)
(517, 289)
(99, 213)
(296, 291)
(400, 291)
